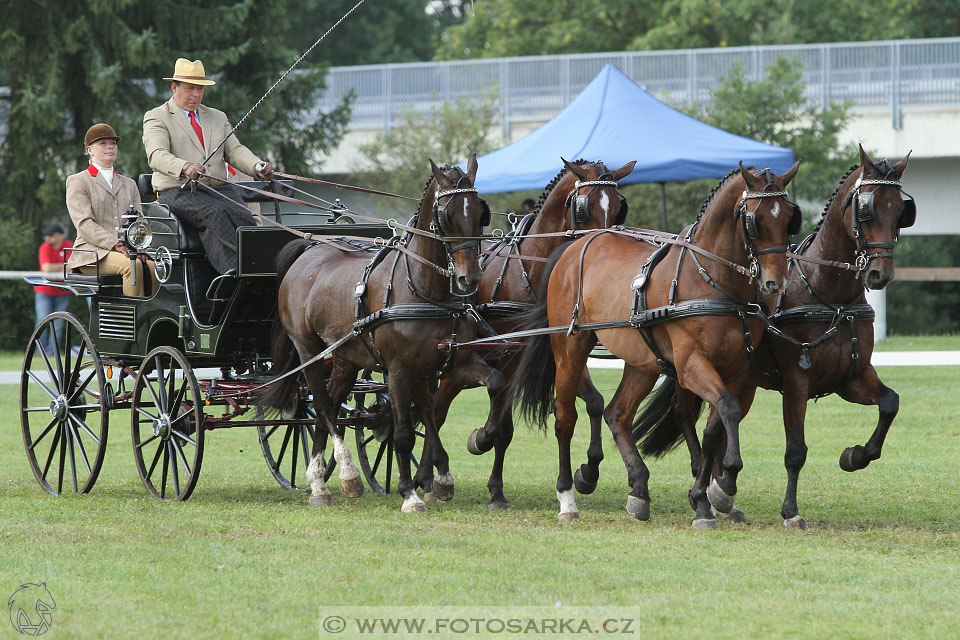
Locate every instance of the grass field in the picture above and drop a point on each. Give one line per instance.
(245, 558)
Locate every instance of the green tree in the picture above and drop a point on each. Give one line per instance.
(398, 160)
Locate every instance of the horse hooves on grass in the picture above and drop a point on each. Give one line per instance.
(796, 522)
(473, 446)
(568, 516)
(705, 523)
(443, 487)
(852, 459)
(351, 487)
(413, 504)
(583, 487)
(324, 500)
(718, 498)
(498, 505)
(736, 516)
(429, 497)
(638, 508)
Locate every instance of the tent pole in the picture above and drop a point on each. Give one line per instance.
(663, 203)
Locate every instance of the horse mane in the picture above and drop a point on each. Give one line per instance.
(556, 180)
(713, 192)
(826, 208)
(444, 169)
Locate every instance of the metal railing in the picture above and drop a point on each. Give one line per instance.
(534, 89)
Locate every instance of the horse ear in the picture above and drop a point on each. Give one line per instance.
(437, 174)
(575, 169)
(624, 171)
(472, 168)
(866, 163)
(790, 174)
(901, 166)
(751, 180)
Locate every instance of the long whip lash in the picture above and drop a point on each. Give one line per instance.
(279, 80)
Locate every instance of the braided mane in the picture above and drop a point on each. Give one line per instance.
(713, 192)
(553, 183)
(444, 169)
(826, 208)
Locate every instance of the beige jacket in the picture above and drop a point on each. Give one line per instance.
(170, 141)
(95, 209)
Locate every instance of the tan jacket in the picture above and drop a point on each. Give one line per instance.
(95, 209)
(170, 142)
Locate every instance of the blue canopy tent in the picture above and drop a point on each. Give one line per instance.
(615, 120)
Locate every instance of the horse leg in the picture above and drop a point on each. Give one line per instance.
(570, 368)
(619, 415)
(504, 436)
(687, 415)
(795, 395)
(586, 477)
(867, 389)
(442, 483)
(319, 494)
(403, 439)
(342, 380)
(721, 500)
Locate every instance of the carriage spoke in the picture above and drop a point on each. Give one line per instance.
(73, 459)
(75, 373)
(271, 432)
(283, 448)
(293, 462)
(153, 395)
(153, 465)
(173, 467)
(78, 390)
(303, 442)
(150, 417)
(147, 441)
(46, 363)
(183, 437)
(376, 463)
(162, 382)
(171, 385)
(51, 393)
(81, 423)
(166, 465)
(181, 394)
(183, 458)
(386, 486)
(63, 458)
(66, 357)
(53, 450)
(182, 416)
(83, 450)
(367, 439)
(43, 434)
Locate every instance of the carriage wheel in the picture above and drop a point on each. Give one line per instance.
(287, 447)
(63, 422)
(167, 425)
(374, 430)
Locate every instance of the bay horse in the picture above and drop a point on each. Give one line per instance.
(700, 332)
(823, 337)
(582, 196)
(401, 313)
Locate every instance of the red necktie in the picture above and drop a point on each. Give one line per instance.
(196, 126)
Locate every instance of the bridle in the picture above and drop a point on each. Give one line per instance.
(579, 204)
(748, 222)
(864, 211)
(440, 225)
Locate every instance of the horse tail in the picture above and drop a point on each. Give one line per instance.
(281, 394)
(533, 383)
(656, 427)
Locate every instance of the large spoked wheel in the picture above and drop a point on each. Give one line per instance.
(370, 412)
(286, 446)
(63, 420)
(167, 425)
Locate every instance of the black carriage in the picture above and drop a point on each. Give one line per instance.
(184, 360)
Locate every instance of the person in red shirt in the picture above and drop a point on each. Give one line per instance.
(50, 299)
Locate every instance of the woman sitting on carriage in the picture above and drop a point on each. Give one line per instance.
(97, 197)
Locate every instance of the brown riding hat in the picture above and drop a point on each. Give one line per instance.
(190, 72)
(101, 131)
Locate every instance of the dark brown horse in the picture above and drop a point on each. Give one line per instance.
(824, 336)
(582, 196)
(423, 277)
(609, 277)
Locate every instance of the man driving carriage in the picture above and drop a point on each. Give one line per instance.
(178, 136)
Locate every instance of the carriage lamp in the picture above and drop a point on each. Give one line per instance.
(135, 232)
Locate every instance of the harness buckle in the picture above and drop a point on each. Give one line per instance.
(862, 261)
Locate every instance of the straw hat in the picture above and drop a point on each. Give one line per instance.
(101, 131)
(190, 72)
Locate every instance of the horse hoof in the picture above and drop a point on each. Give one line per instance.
(443, 487)
(429, 497)
(583, 487)
(473, 446)
(736, 516)
(718, 499)
(796, 522)
(324, 500)
(638, 508)
(498, 505)
(413, 504)
(351, 487)
(705, 523)
(852, 459)
(568, 516)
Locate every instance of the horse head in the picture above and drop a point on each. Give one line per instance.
(593, 201)
(459, 215)
(874, 211)
(767, 218)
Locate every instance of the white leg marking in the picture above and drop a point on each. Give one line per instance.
(315, 472)
(413, 503)
(342, 455)
(568, 504)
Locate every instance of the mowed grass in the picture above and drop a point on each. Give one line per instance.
(245, 558)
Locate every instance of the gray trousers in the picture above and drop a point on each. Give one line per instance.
(215, 217)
